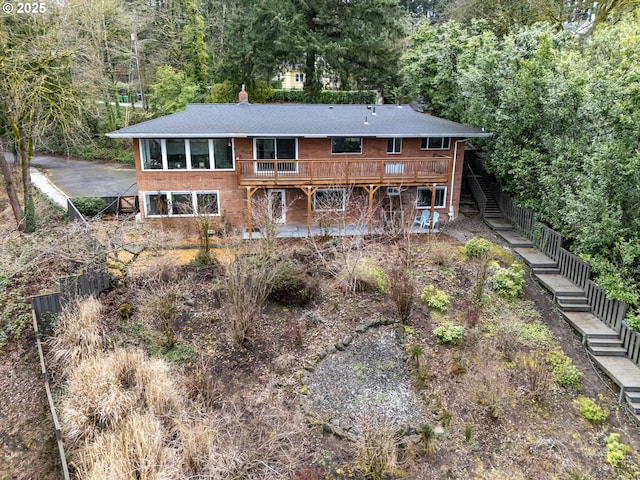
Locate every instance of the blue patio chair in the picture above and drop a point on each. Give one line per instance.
(423, 220)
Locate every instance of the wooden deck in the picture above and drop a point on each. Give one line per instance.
(331, 171)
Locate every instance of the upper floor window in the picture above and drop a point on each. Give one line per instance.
(151, 151)
(187, 154)
(276, 149)
(394, 145)
(435, 143)
(346, 145)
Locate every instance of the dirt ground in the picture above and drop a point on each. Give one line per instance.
(493, 429)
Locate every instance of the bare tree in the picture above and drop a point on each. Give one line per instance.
(37, 95)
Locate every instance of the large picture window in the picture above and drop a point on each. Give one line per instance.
(200, 154)
(223, 153)
(346, 145)
(151, 152)
(423, 197)
(435, 143)
(187, 154)
(176, 154)
(181, 204)
(329, 200)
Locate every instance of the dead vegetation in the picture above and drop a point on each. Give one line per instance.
(153, 385)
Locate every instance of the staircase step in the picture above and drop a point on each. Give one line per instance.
(608, 351)
(604, 342)
(572, 300)
(574, 307)
(634, 407)
(546, 270)
(632, 397)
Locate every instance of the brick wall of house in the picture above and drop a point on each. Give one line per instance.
(233, 198)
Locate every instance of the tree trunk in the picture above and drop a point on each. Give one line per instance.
(11, 189)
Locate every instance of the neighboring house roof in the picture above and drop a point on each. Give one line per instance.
(297, 120)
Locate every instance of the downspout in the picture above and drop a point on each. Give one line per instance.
(453, 175)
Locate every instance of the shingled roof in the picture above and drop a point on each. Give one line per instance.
(297, 120)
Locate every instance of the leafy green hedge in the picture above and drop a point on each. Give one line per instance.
(326, 96)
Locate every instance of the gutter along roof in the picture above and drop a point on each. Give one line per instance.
(297, 120)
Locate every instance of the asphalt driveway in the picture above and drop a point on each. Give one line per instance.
(81, 178)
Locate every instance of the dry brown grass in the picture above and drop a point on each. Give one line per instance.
(103, 391)
(135, 450)
(78, 335)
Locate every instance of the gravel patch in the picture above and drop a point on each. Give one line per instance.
(367, 382)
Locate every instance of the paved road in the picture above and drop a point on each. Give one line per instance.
(81, 178)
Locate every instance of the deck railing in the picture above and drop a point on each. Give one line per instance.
(476, 189)
(344, 171)
(546, 240)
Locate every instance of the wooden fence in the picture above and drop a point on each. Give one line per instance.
(548, 241)
(44, 309)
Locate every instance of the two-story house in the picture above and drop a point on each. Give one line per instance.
(363, 161)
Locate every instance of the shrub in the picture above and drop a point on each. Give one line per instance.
(289, 286)
(379, 452)
(449, 333)
(590, 410)
(616, 451)
(477, 248)
(633, 320)
(538, 375)
(565, 373)
(90, 206)
(509, 282)
(381, 280)
(436, 299)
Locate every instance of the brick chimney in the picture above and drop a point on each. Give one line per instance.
(243, 96)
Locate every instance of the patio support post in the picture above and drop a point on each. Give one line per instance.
(371, 190)
(308, 190)
(433, 206)
(250, 192)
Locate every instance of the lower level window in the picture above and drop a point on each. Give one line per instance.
(329, 199)
(423, 197)
(181, 204)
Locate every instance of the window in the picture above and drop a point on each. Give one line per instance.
(223, 153)
(176, 154)
(151, 151)
(187, 154)
(156, 204)
(346, 145)
(199, 150)
(207, 203)
(423, 197)
(394, 145)
(181, 203)
(329, 199)
(164, 204)
(435, 143)
(299, 77)
(276, 149)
